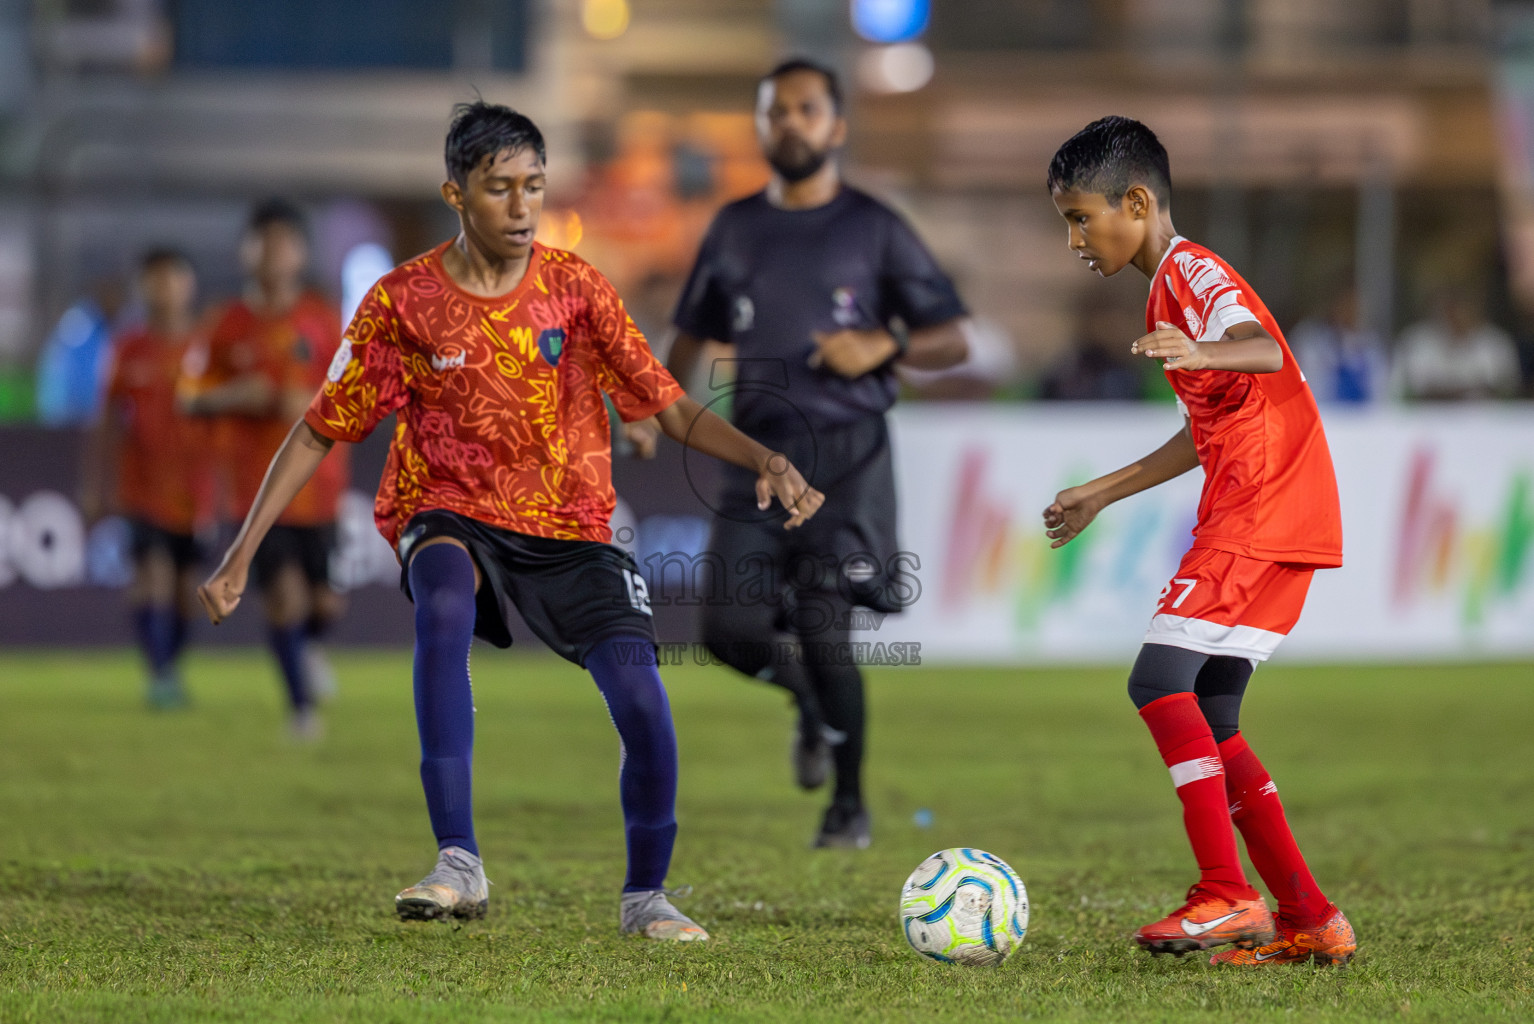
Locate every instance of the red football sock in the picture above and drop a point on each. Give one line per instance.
(1188, 748)
(1259, 814)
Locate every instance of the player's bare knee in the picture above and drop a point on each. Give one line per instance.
(326, 603)
(285, 597)
(154, 580)
(187, 604)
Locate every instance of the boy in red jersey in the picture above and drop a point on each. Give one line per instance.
(495, 351)
(1267, 519)
(158, 459)
(267, 353)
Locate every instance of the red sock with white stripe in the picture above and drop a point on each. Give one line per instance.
(1259, 814)
(1188, 748)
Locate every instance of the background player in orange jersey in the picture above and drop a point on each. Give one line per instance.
(1268, 517)
(148, 463)
(266, 355)
(496, 351)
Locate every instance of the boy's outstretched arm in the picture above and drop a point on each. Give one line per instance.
(1075, 507)
(1244, 348)
(687, 422)
(291, 468)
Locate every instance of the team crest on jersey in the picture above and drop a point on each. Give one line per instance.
(340, 362)
(551, 343)
(1195, 323)
(845, 307)
(745, 314)
(450, 358)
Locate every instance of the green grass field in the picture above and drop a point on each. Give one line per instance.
(196, 866)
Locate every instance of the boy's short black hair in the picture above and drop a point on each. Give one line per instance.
(481, 129)
(277, 211)
(788, 67)
(159, 255)
(1109, 156)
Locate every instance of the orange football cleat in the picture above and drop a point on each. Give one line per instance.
(1209, 920)
(1330, 942)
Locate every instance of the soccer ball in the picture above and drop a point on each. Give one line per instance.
(964, 906)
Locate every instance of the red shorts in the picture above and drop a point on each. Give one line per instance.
(1228, 604)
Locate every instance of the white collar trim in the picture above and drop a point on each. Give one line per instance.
(1174, 243)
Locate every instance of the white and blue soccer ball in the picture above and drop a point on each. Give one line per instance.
(964, 906)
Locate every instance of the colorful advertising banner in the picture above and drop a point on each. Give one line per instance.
(1438, 533)
(1438, 510)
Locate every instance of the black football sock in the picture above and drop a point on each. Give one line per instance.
(776, 660)
(840, 688)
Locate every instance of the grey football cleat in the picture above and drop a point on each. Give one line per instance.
(846, 828)
(650, 913)
(456, 887)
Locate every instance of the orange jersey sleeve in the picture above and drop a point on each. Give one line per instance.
(638, 384)
(1270, 491)
(364, 380)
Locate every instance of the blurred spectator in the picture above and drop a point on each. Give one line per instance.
(1098, 367)
(72, 366)
(1343, 363)
(1455, 355)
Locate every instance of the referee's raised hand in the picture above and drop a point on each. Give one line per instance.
(853, 352)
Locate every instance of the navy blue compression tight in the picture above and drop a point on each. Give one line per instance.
(624, 670)
(442, 585)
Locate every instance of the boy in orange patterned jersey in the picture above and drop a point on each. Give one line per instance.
(1268, 518)
(159, 460)
(495, 352)
(266, 355)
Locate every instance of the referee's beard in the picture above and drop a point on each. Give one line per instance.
(794, 159)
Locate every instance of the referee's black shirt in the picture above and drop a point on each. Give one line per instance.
(766, 278)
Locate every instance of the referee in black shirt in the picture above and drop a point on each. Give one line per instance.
(821, 289)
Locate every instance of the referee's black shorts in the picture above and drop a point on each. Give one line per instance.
(573, 594)
(848, 548)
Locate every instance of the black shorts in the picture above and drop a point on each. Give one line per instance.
(573, 594)
(308, 547)
(145, 537)
(849, 547)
